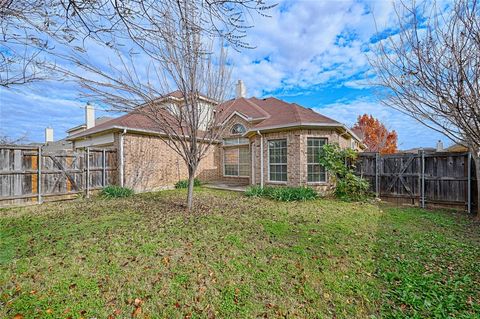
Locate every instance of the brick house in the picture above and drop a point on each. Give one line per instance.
(264, 142)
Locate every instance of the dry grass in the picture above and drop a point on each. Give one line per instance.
(233, 257)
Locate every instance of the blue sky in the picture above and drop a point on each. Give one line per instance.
(309, 52)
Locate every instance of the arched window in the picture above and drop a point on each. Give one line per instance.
(238, 129)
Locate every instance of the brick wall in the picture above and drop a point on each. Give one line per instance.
(296, 156)
(227, 134)
(150, 164)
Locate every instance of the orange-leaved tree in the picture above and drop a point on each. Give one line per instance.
(375, 135)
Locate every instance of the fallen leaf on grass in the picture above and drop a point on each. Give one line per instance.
(166, 261)
(138, 302)
(18, 316)
(136, 312)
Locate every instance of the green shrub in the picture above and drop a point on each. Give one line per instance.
(116, 192)
(255, 191)
(352, 188)
(184, 183)
(340, 164)
(284, 194)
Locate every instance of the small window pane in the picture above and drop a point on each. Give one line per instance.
(315, 171)
(235, 141)
(278, 160)
(236, 161)
(231, 170)
(238, 129)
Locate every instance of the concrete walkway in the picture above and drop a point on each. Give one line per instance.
(227, 186)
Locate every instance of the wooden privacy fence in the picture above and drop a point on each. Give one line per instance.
(424, 179)
(29, 175)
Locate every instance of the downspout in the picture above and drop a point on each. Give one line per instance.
(122, 165)
(261, 158)
(252, 154)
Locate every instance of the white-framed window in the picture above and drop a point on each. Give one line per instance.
(238, 129)
(236, 161)
(235, 141)
(277, 160)
(315, 172)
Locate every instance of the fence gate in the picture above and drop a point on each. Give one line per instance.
(424, 179)
(29, 175)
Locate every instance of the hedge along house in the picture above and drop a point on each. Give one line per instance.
(264, 142)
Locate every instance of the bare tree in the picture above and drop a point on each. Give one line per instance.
(20, 47)
(430, 70)
(179, 58)
(32, 30)
(7, 140)
(158, 46)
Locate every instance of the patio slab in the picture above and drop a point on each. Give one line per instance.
(227, 186)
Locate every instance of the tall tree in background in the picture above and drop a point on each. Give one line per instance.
(375, 135)
(150, 48)
(430, 70)
(179, 59)
(31, 31)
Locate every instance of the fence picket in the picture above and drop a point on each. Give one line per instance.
(28, 175)
(424, 179)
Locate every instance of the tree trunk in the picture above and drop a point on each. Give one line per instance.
(191, 179)
(476, 158)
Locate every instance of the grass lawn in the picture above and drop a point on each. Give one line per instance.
(236, 257)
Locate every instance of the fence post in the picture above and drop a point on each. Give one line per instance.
(39, 175)
(469, 183)
(422, 178)
(104, 168)
(377, 177)
(87, 186)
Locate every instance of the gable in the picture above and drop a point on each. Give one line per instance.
(234, 119)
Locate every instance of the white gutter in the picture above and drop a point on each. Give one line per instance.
(121, 170)
(261, 158)
(321, 125)
(131, 130)
(252, 154)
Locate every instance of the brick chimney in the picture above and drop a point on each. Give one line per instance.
(240, 89)
(89, 116)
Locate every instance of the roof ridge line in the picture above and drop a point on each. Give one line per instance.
(258, 107)
(297, 114)
(229, 106)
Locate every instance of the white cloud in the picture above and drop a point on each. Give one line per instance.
(303, 47)
(410, 132)
(310, 43)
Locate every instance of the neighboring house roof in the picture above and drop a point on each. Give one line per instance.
(98, 121)
(59, 145)
(415, 150)
(457, 148)
(264, 114)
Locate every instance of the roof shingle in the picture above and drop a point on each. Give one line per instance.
(265, 113)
